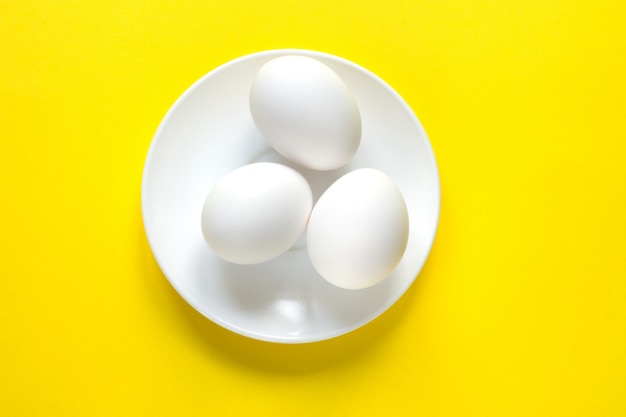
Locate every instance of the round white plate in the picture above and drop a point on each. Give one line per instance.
(209, 132)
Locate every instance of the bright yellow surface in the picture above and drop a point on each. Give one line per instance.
(520, 310)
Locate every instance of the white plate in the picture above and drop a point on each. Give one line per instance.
(209, 132)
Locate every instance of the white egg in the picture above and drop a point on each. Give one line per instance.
(306, 112)
(358, 229)
(256, 212)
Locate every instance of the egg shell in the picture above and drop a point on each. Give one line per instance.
(256, 212)
(306, 112)
(358, 229)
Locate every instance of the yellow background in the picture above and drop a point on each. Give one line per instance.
(519, 311)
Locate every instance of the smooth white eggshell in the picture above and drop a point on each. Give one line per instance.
(358, 229)
(256, 212)
(306, 112)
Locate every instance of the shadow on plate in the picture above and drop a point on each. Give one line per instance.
(344, 351)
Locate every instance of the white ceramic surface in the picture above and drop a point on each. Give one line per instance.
(209, 132)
